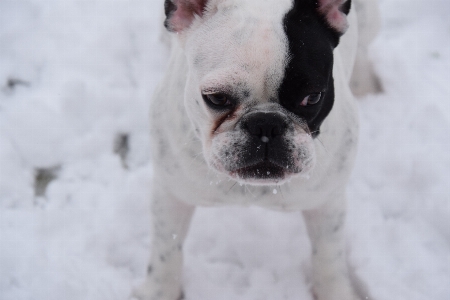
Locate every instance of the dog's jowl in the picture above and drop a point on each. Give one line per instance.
(256, 92)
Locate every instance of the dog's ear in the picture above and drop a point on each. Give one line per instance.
(181, 13)
(335, 13)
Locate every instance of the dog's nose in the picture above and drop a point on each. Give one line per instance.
(265, 126)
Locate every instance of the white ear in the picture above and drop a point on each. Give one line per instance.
(181, 13)
(335, 13)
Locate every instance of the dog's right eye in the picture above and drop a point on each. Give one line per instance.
(218, 100)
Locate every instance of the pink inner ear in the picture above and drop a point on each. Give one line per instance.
(331, 10)
(185, 12)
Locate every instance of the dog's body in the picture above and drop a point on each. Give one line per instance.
(227, 112)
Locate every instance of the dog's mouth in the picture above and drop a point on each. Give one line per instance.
(262, 160)
(264, 171)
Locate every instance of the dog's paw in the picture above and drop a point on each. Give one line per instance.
(151, 291)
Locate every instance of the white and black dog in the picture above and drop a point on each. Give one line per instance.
(256, 92)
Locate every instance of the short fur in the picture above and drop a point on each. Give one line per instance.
(266, 57)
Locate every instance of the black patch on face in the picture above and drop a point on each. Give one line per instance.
(309, 69)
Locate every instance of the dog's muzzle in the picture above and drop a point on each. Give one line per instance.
(266, 155)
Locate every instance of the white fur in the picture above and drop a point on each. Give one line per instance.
(188, 153)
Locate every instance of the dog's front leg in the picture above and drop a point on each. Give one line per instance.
(170, 219)
(326, 230)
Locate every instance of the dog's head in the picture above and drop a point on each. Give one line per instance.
(259, 80)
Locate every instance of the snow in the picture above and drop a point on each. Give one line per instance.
(75, 82)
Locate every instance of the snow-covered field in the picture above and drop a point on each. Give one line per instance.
(75, 82)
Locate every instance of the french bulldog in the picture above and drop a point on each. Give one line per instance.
(256, 93)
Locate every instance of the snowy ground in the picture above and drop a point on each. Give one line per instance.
(75, 83)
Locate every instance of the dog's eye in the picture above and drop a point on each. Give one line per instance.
(220, 100)
(311, 99)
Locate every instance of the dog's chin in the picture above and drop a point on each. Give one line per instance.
(263, 173)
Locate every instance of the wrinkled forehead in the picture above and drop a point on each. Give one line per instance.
(243, 40)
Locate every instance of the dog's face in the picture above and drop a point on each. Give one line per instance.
(260, 81)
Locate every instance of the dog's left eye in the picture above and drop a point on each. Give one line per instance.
(218, 100)
(311, 99)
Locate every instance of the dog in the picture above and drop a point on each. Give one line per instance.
(256, 93)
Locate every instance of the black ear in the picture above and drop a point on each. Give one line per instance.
(181, 13)
(335, 13)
